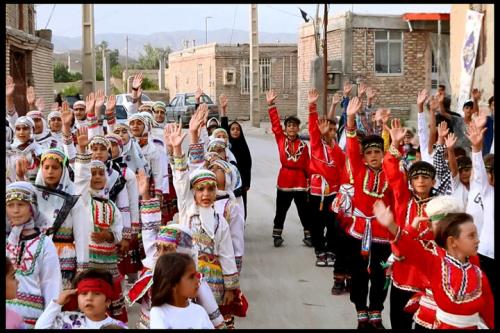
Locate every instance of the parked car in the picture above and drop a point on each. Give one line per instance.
(183, 106)
(126, 100)
(72, 99)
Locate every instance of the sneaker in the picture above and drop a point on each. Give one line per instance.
(338, 287)
(307, 240)
(330, 259)
(321, 260)
(278, 241)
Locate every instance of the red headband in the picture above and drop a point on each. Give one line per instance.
(98, 285)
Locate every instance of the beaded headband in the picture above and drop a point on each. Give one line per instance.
(96, 164)
(99, 139)
(215, 144)
(55, 154)
(202, 177)
(112, 137)
(34, 114)
(219, 130)
(437, 217)
(20, 191)
(25, 121)
(122, 125)
(170, 235)
(160, 106)
(54, 114)
(78, 103)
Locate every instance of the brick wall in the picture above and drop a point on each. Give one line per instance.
(216, 58)
(12, 16)
(43, 76)
(396, 92)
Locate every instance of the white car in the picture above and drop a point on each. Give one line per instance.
(126, 100)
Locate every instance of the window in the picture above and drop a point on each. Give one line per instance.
(388, 52)
(229, 75)
(434, 68)
(265, 74)
(174, 101)
(245, 76)
(199, 80)
(190, 100)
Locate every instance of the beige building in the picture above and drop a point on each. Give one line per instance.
(28, 55)
(395, 54)
(224, 69)
(485, 60)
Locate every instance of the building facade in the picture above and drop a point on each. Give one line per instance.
(28, 55)
(484, 71)
(389, 53)
(225, 69)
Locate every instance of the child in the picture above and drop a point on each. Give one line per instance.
(461, 290)
(369, 241)
(12, 319)
(176, 281)
(32, 254)
(157, 242)
(211, 235)
(293, 175)
(58, 199)
(94, 290)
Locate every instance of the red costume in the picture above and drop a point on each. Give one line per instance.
(461, 290)
(294, 157)
(326, 162)
(369, 185)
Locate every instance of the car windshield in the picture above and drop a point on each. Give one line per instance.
(204, 99)
(121, 113)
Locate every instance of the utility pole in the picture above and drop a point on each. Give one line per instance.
(254, 67)
(69, 61)
(126, 64)
(88, 61)
(106, 72)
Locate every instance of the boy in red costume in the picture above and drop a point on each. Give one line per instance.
(294, 172)
(368, 239)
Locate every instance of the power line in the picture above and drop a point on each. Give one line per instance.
(283, 11)
(234, 22)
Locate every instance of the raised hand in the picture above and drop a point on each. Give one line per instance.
(66, 295)
(336, 98)
(176, 137)
(370, 94)
(40, 104)
(419, 219)
(111, 105)
(313, 96)
(166, 136)
(90, 103)
(30, 96)
(475, 135)
(361, 89)
(324, 126)
(66, 117)
(82, 135)
(422, 97)
(354, 106)
(271, 97)
(137, 81)
(223, 101)
(100, 98)
(197, 95)
(397, 132)
(143, 184)
(450, 140)
(9, 86)
(476, 94)
(347, 89)
(443, 129)
(481, 117)
(22, 165)
(383, 214)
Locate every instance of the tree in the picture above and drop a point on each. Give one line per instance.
(116, 71)
(72, 90)
(148, 84)
(152, 56)
(61, 74)
(113, 59)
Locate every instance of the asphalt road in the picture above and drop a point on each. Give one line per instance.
(283, 286)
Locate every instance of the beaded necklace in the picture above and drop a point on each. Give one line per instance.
(373, 192)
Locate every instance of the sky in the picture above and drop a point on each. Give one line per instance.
(150, 18)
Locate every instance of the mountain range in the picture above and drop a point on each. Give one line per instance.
(173, 39)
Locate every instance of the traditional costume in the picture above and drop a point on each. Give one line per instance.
(34, 258)
(45, 138)
(293, 177)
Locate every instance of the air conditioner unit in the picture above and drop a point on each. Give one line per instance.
(229, 75)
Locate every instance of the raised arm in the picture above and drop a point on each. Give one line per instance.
(274, 116)
(449, 142)
(443, 173)
(68, 144)
(479, 175)
(223, 101)
(353, 150)
(314, 131)
(433, 105)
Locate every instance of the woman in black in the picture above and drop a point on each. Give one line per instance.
(239, 148)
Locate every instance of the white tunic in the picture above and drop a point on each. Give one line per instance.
(172, 317)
